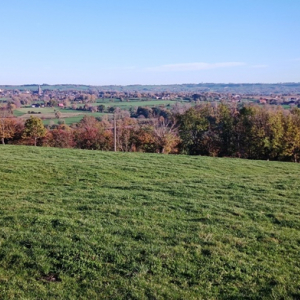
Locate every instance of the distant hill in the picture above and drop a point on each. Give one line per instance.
(243, 88)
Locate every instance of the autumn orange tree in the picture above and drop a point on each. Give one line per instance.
(143, 139)
(125, 133)
(7, 125)
(61, 137)
(7, 129)
(92, 134)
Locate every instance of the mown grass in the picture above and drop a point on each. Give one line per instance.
(80, 224)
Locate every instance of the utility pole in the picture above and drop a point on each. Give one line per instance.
(115, 133)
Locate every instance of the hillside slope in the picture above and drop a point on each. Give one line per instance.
(99, 225)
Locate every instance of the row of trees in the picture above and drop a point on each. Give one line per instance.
(154, 136)
(249, 132)
(216, 130)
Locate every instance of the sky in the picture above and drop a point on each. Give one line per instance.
(123, 42)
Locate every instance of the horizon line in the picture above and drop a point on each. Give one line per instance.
(148, 84)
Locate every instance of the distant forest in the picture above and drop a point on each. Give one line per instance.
(242, 88)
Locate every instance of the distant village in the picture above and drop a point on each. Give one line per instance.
(42, 97)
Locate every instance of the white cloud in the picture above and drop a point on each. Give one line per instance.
(195, 66)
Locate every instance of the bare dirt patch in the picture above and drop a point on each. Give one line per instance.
(51, 278)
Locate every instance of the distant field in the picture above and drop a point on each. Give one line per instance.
(66, 120)
(35, 109)
(132, 103)
(48, 114)
(71, 116)
(98, 114)
(248, 100)
(71, 120)
(78, 224)
(18, 113)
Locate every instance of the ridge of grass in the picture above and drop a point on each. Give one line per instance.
(77, 224)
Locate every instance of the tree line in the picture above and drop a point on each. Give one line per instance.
(252, 132)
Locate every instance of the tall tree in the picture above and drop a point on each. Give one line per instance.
(226, 129)
(193, 125)
(244, 132)
(34, 128)
(165, 134)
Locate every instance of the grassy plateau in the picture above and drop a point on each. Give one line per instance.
(78, 224)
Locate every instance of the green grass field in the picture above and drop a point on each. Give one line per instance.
(18, 113)
(81, 224)
(67, 121)
(37, 109)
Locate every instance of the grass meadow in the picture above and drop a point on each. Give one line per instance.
(77, 224)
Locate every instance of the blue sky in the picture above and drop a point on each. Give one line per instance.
(149, 42)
